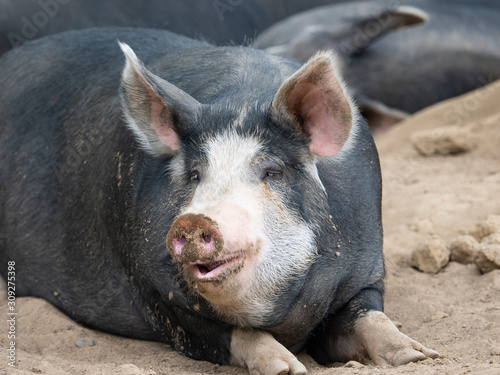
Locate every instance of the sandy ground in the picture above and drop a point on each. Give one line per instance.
(456, 311)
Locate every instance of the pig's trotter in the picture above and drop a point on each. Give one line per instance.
(385, 344)
(262, 354)
(361, 331)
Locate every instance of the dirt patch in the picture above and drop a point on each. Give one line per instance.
(455, 311)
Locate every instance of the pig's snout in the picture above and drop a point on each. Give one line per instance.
(194, 237)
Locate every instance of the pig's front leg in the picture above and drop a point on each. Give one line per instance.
(384, 343)
(361, 331)
(262, 354)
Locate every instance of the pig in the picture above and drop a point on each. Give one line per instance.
(220, 199)
(399, 57)
(220, 21)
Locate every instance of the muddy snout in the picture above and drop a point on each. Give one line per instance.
(194, 237)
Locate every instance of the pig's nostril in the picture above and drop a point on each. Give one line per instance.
(206, 238)
(179, 243)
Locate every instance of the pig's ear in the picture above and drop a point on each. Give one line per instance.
(155, 109)
(314, 101)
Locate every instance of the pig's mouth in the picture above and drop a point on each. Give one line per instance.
(218, 269)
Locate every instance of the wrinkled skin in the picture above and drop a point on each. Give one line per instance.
(222, 200)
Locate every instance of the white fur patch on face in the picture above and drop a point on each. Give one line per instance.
(254, 219)
(230, 159)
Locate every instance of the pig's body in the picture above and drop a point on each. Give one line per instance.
(407, 55)
(219, 21)
(86, 203)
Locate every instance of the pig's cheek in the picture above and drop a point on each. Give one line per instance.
(245, 278)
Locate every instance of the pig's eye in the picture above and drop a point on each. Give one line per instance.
(195, 176)
(272, 174)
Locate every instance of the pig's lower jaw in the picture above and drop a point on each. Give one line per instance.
(216, 280)
(215, 270)
(227, 284)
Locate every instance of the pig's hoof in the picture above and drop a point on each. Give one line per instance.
(386, 345)
(262, 354)
(417, 353)
(413, 352)
(278, 367)
(297, 368)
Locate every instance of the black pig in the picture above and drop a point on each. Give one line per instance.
(223, 200)
(219, 21)
(398, 56)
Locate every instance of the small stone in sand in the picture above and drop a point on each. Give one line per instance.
(431, 255)
(83, 343)
(463, 249)
(488, 258)
(354, 364)
(443, 140)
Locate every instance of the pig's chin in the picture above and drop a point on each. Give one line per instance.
(224, 283)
